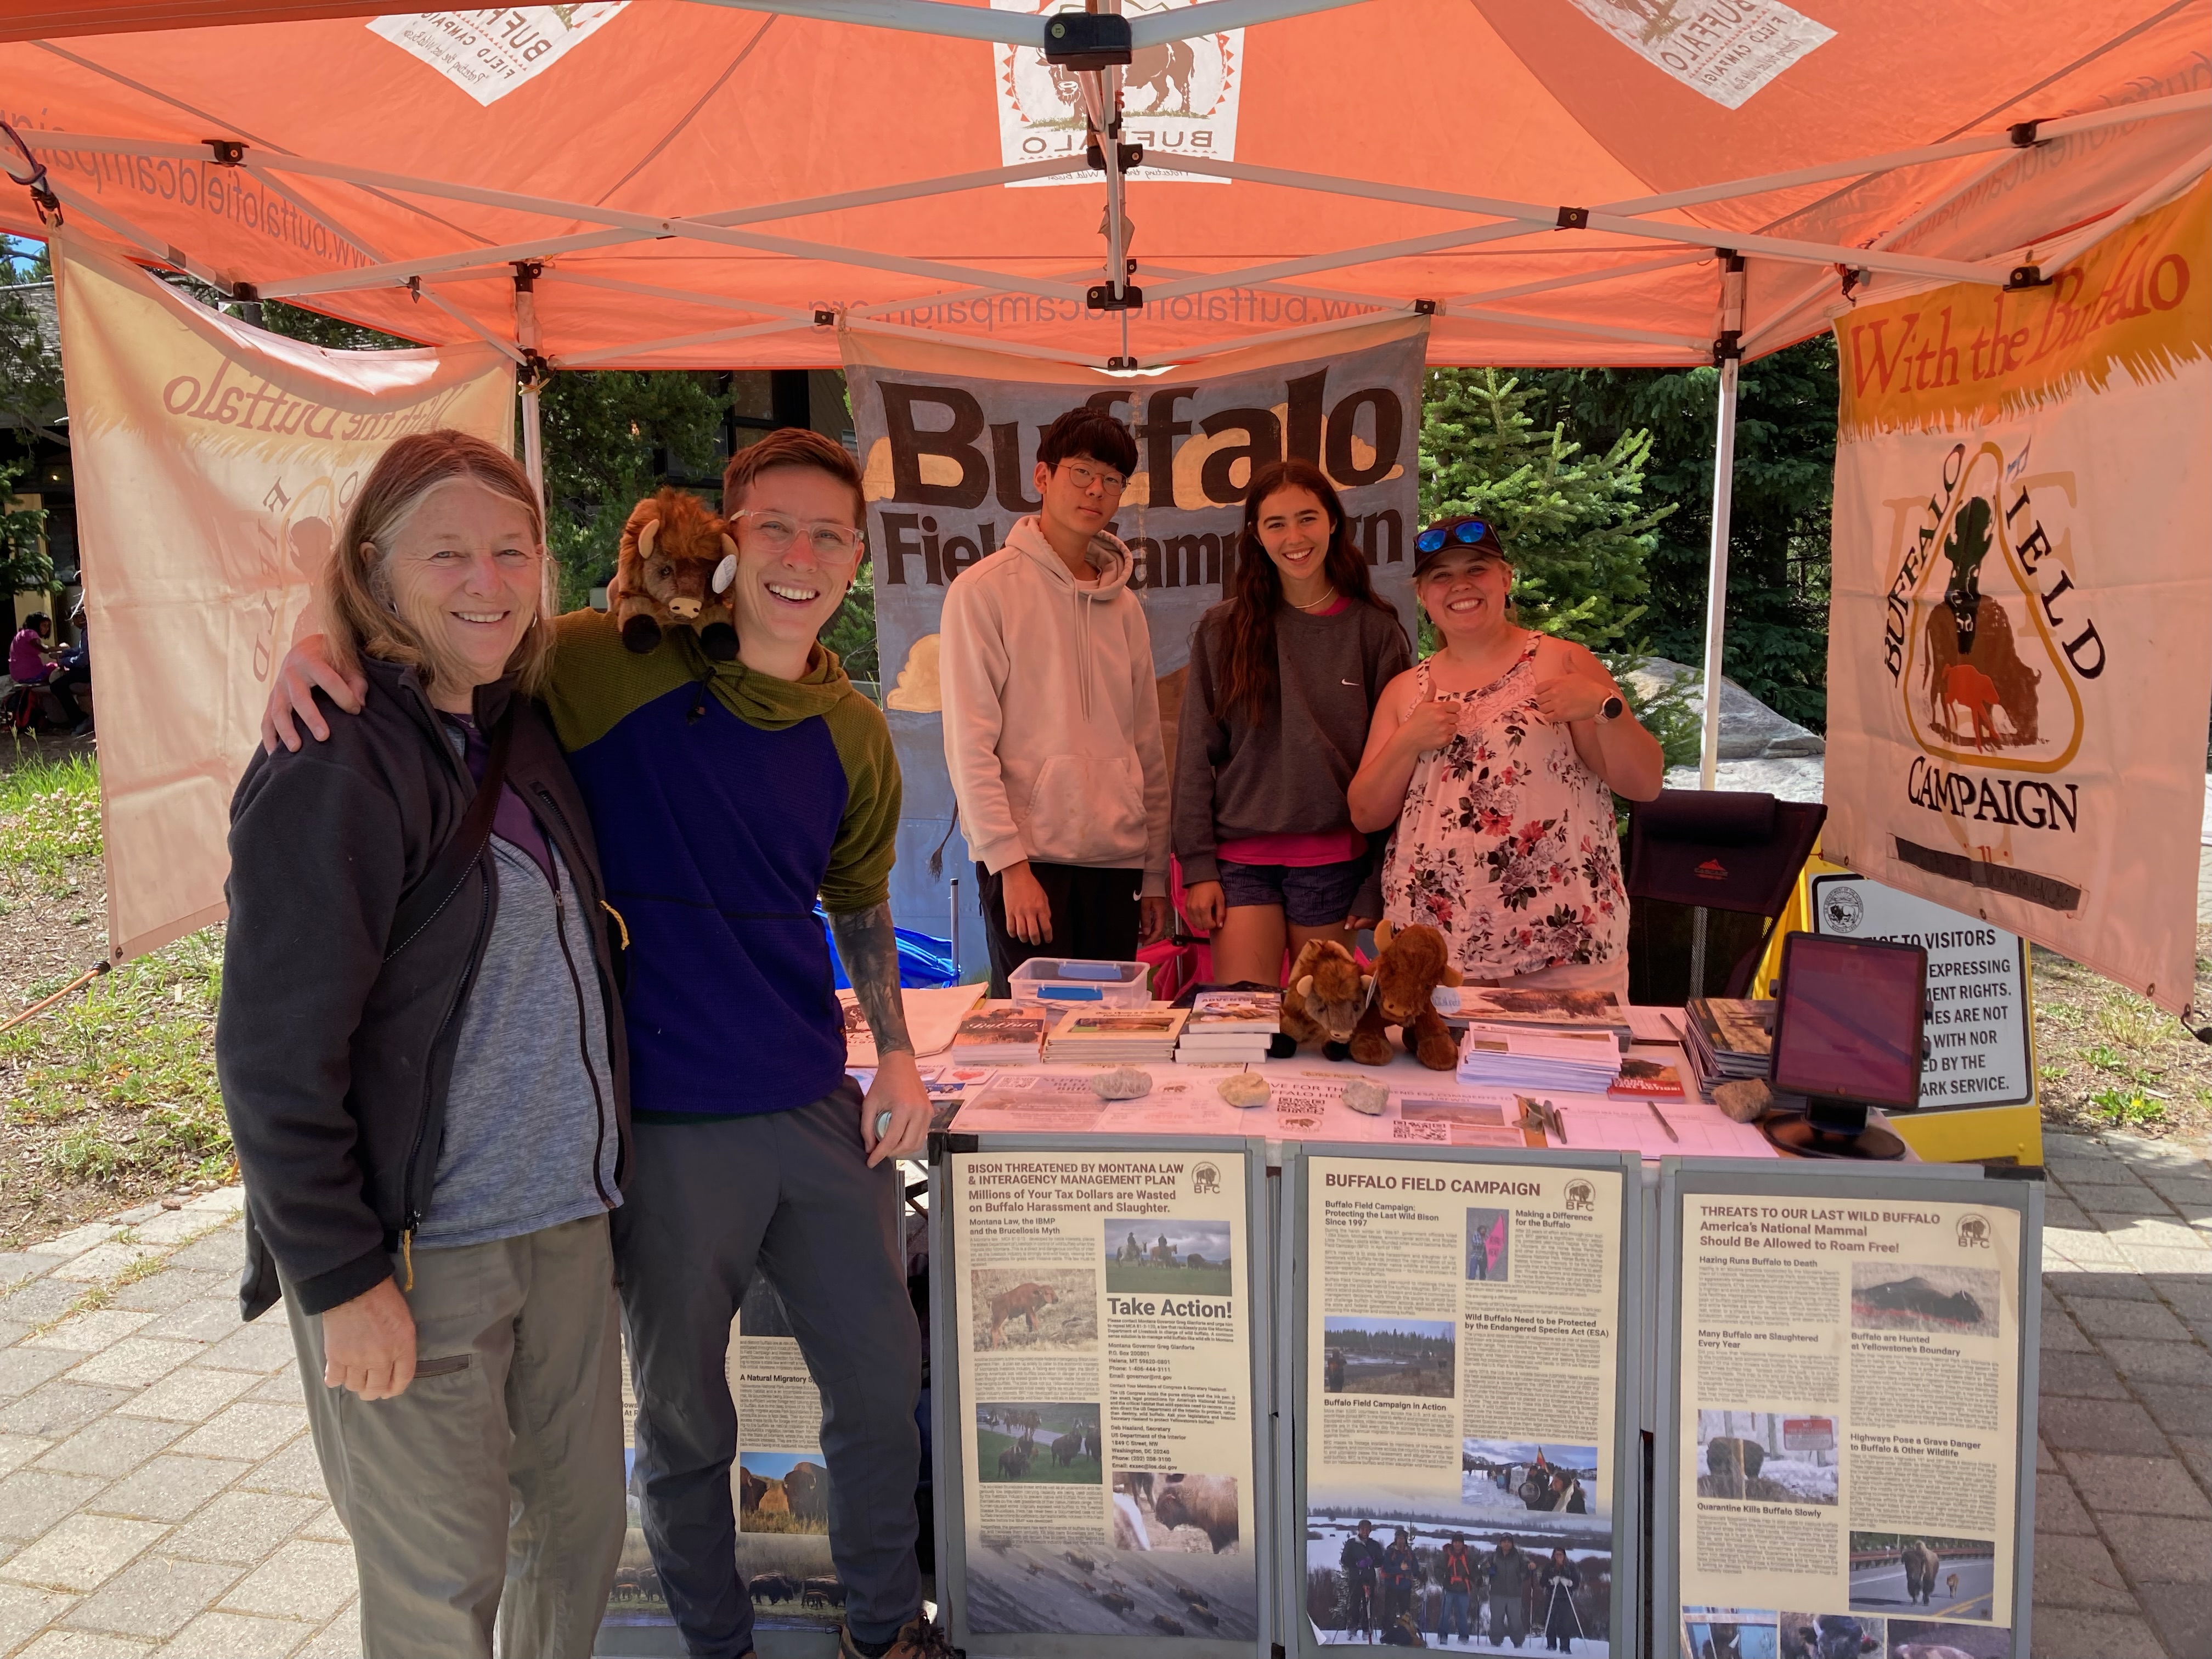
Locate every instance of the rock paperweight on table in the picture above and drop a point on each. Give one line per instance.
(1244, 1089)
(1366, 1098)
(1122, 1083)
(1743, 1099)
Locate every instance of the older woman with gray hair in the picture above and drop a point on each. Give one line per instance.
(421, 1057)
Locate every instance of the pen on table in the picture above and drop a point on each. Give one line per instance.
(1663, 1124)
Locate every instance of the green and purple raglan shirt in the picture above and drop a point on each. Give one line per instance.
(723, 802)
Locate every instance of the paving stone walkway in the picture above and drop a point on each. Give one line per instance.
(159, 1496)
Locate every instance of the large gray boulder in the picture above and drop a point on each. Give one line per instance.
(1750, 731)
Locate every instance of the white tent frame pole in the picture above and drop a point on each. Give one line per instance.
(1011, 348)
(1709, 742)
(1536, 219)
(1641, 268)
(677, 295)
(1786, 316)
(675, 341)
(2045, 132)
(533, 463)
(1018, 29)
(1462, 236)
(2082, 242)
(647, 226)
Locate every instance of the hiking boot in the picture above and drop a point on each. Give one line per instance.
(918, 1638)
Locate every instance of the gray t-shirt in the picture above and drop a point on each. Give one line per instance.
(530, 1134)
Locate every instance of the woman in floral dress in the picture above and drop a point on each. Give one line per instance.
(1497, 759)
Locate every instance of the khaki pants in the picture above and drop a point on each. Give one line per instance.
(494, 1485)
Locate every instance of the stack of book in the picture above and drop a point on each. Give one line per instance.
(1522, 1058)
(1727, 1037)
(1581, 1012)
(1228, 1028)
(1115, 1037)
(1004, 1034)
(1646, 1080)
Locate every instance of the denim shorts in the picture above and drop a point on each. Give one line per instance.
(1309, 895)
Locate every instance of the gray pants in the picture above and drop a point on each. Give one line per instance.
(789, 1194)
(494, 1485)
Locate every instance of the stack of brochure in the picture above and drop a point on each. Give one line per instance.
(1115, 1037)
(1539, 1011)
(1518, 1057)
(1727, 1037)
(1001, 1034)
(1230, 1027)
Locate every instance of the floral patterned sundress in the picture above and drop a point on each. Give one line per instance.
(1505, 844)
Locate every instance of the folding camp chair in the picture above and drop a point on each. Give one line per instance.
(1736, 852)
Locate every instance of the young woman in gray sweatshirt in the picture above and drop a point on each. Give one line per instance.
(1283, 682)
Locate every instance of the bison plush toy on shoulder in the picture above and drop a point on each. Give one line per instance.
(1413, 962)
(677, 561)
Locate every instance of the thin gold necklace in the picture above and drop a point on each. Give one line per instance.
(1316, 605)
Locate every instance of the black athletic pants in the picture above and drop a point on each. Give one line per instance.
(1094, 917)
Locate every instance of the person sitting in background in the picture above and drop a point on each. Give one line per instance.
(420, 1050)
(1498, 758)
(1283, 678)
(30, 663)
(1052, 719)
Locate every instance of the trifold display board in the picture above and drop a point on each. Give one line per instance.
(1459, 1428)
(1101, 1381)
(1846, 1410)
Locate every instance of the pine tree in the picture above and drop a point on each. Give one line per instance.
(1574, 519)
(1776, 639)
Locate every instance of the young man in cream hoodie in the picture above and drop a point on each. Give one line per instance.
(1052, 719)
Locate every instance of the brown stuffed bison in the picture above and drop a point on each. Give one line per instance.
(1411, 961)
(1326, 996)
(678, 560)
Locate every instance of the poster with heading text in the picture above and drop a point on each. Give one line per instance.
(1847, 1433)
(1103, 1330)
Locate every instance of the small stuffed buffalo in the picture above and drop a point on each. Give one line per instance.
(678, 560)
(1325, 995)
(1409, 963)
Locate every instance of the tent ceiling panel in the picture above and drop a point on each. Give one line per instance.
(698, 180)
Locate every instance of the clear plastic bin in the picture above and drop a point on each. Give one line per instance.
(1055, 979)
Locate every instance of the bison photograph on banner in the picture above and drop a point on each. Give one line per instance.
(2018, 664)
(948, 438)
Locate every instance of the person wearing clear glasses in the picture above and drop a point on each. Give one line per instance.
(727, 797)
(425, 1074)
(1052, 719)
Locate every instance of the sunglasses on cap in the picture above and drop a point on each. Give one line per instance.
(1467, 532)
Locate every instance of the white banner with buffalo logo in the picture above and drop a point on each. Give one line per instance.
(2020, 653)
(948, 437)
(1178, 98)
(214, 465)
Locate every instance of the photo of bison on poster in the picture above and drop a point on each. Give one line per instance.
(1163, 1255)
(1920, 1572)
(1767, 1457)
(1046, 1309)
(1043, 1444)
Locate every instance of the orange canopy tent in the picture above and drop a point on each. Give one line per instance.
(665, 184)
(721, 184)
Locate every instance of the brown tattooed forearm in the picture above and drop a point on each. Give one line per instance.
(868, 946)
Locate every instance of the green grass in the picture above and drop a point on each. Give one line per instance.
(49, 816)
(139, 1040)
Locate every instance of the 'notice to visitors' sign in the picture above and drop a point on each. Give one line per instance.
(1977, 1046)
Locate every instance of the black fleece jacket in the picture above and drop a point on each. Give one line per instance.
(333, 1056)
